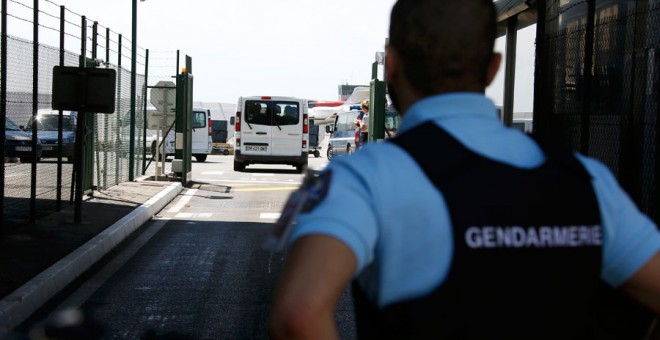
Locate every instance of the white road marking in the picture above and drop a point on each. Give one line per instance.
(263, 175)
(272, 216)
(213, 173)
(252, 181)
(183, 201)
(194, 215)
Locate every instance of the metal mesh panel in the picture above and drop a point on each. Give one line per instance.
(47, 186)
(646, 96)
(162, 66)
(564, 41)
(607, 110)
(111, 132)
(17, 189)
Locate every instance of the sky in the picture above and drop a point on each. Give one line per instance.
(300, 48)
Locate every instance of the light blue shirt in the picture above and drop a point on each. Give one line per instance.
(385, 209)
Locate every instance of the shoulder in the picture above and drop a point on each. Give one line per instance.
(630, 237)
(373, 159)
(609, 192)
(601, 175)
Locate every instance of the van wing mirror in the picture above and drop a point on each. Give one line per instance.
(328, 129)
(232, 120)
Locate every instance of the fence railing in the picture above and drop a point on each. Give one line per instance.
(37, 175)
(597, 87)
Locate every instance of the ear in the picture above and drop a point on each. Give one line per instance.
(391, 62)
(493, 67)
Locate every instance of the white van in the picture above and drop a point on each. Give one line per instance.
(202, 134)
(202, 143)
(271, 130)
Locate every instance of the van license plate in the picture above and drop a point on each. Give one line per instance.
(23, 148)
(256, 148)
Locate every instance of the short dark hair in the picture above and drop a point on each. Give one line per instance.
(444, 45)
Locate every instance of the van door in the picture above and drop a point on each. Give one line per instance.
(287, 131)
(256, 128)
(201, 138)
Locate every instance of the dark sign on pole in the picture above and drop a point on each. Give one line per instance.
(84, 89)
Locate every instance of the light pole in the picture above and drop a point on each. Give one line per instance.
(131, 144)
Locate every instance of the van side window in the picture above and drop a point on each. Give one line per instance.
(198, 119)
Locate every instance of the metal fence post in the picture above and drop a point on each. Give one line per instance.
(144, 111)
(3, 105)
(81, 125)
(90, 127)
(510, 70)
(588, 77)
(95, 39)
(94, 153)
(118, 128)
(35, 107)
(106, 119)
(541, 116)
(60, 120)
(131, 143)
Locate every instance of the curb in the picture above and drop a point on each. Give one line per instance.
(24, 301)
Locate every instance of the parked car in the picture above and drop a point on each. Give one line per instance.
(47, 132)
(18, 143)
(343, 140)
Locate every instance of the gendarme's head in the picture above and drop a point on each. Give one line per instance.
(440, 46)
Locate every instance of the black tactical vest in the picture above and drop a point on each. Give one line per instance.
(527, 249)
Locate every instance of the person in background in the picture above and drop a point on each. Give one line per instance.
(489, 234)
(358, 132)
(364, 122)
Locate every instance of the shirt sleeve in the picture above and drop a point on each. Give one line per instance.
(630, 237)
(346, 213)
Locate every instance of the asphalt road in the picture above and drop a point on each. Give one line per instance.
(198, 270)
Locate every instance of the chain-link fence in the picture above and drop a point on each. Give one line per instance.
(37, 177)
(597, 86)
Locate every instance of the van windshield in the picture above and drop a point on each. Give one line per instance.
(346, 121)
(272, 113)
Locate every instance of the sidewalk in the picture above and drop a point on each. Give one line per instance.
(37, 261)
